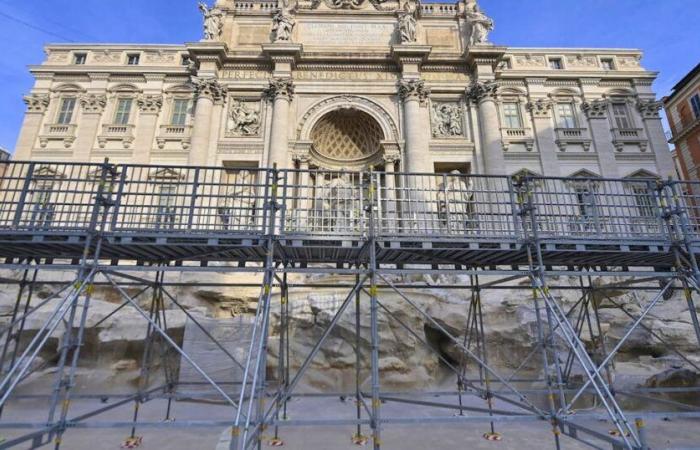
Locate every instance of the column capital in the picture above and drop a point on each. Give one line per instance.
(280, 87)
(93, 103)
(37, 103)
(150, 104)
(649, 109)
(209, 88)
(413, 90)
(540, 108)
(482, 90)
(595, 109)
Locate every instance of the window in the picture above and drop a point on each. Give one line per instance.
(65, 112)
(555, 64)
(121, 117)
(79, 58)
(621, 116)
(166, 214)
(511, 116)
(585, 202)
(607, 64)
(506, 63)
(644, 200)
(695, 103)
(133, 59)
(565, 115)
(179, 115)
(185, 60)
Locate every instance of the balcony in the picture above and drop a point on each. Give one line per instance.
(116, 132)
(443, 9)
(58, 132)
(629, 136)
(517, 136)
(572, 136)
(175, 133)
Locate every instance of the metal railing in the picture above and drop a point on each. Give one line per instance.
(60, 197)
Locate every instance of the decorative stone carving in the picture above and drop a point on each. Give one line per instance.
(408, 25)
(540, 108)
(150, 104)
(282, 25)
(93, 103)
(480, 25)
(346, 4)
(37, 103)
(581, 61)
(213, 22)
(629, 62)
(530, 61)
(479, 91)
(57, 57)
(446, 120)
(410, 89)
(596, 109)
(280, 87)
(160, 57)
(209, 87)
(243, 119)
(107, 56)
(649, 109)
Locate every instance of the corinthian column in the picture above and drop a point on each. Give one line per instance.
(36, 108)
(92, 107)
(415, 95)
(149, 108)
(484, 95)
(280, 93)
(208, 91)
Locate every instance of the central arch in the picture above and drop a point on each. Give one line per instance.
(346, 138)
(347, 132)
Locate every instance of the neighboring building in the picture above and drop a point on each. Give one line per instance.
(683, 112)
(337, 84)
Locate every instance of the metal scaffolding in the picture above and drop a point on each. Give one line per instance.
(128, 227)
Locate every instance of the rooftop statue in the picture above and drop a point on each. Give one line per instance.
(213, 22)
(407, 23)
(480, 26)
(283, 24)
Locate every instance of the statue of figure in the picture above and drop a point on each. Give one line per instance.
(213, 22)
(283, 24)
(481, 25)
(456, 203)
(343, 204)
(446, 120)
(238, 211)
(244, 120)
(407, 23)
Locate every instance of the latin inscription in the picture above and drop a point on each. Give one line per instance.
(328, 33)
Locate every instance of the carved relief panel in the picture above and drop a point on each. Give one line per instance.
(244, 118)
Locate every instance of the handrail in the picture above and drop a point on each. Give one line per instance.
(179, 199)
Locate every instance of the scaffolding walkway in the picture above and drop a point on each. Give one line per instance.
(122, 225)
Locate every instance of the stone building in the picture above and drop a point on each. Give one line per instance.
(347, 84)
(683, 111)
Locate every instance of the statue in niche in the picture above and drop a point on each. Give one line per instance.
(238, 211)
(213, 22)
(446, 120)
(282, 24)
(456, 203)
(480, 26)
(408, 24)
(341, 204)
(243, 120)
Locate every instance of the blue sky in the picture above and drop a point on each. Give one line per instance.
(667, 31)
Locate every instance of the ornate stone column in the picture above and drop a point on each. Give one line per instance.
(280, 93)
(483, 94)
(649, 112)
(390, 209)
(149, 108)
(415, 95)
(209, 91)
(304, 192)
(92, 106)
(596, 112)
(36, 108)
(541, 111)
